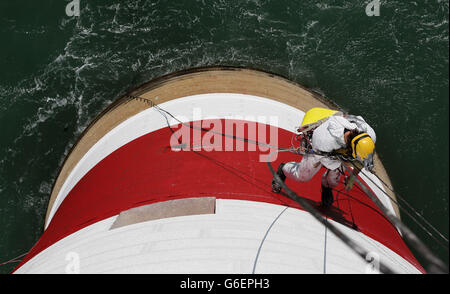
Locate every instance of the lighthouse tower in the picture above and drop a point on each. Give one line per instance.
(173, 178)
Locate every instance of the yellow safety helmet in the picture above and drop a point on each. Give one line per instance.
(363, 149)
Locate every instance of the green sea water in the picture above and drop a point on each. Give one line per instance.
(59, 71)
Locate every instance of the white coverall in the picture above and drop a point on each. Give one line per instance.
(327, 137)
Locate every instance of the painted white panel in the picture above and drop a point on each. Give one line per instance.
(225, 242)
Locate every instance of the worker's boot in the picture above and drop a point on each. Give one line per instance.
(276, 187)
(327, 196)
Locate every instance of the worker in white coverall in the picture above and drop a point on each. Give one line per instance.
(340, 132)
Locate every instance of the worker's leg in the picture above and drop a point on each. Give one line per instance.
(298, 171)
(330, 179)
(304, 170)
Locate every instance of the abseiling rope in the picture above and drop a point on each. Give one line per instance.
(445, 239)
(435, 265)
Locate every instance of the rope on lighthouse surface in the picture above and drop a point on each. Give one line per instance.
(440, 235)
(265, 236)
